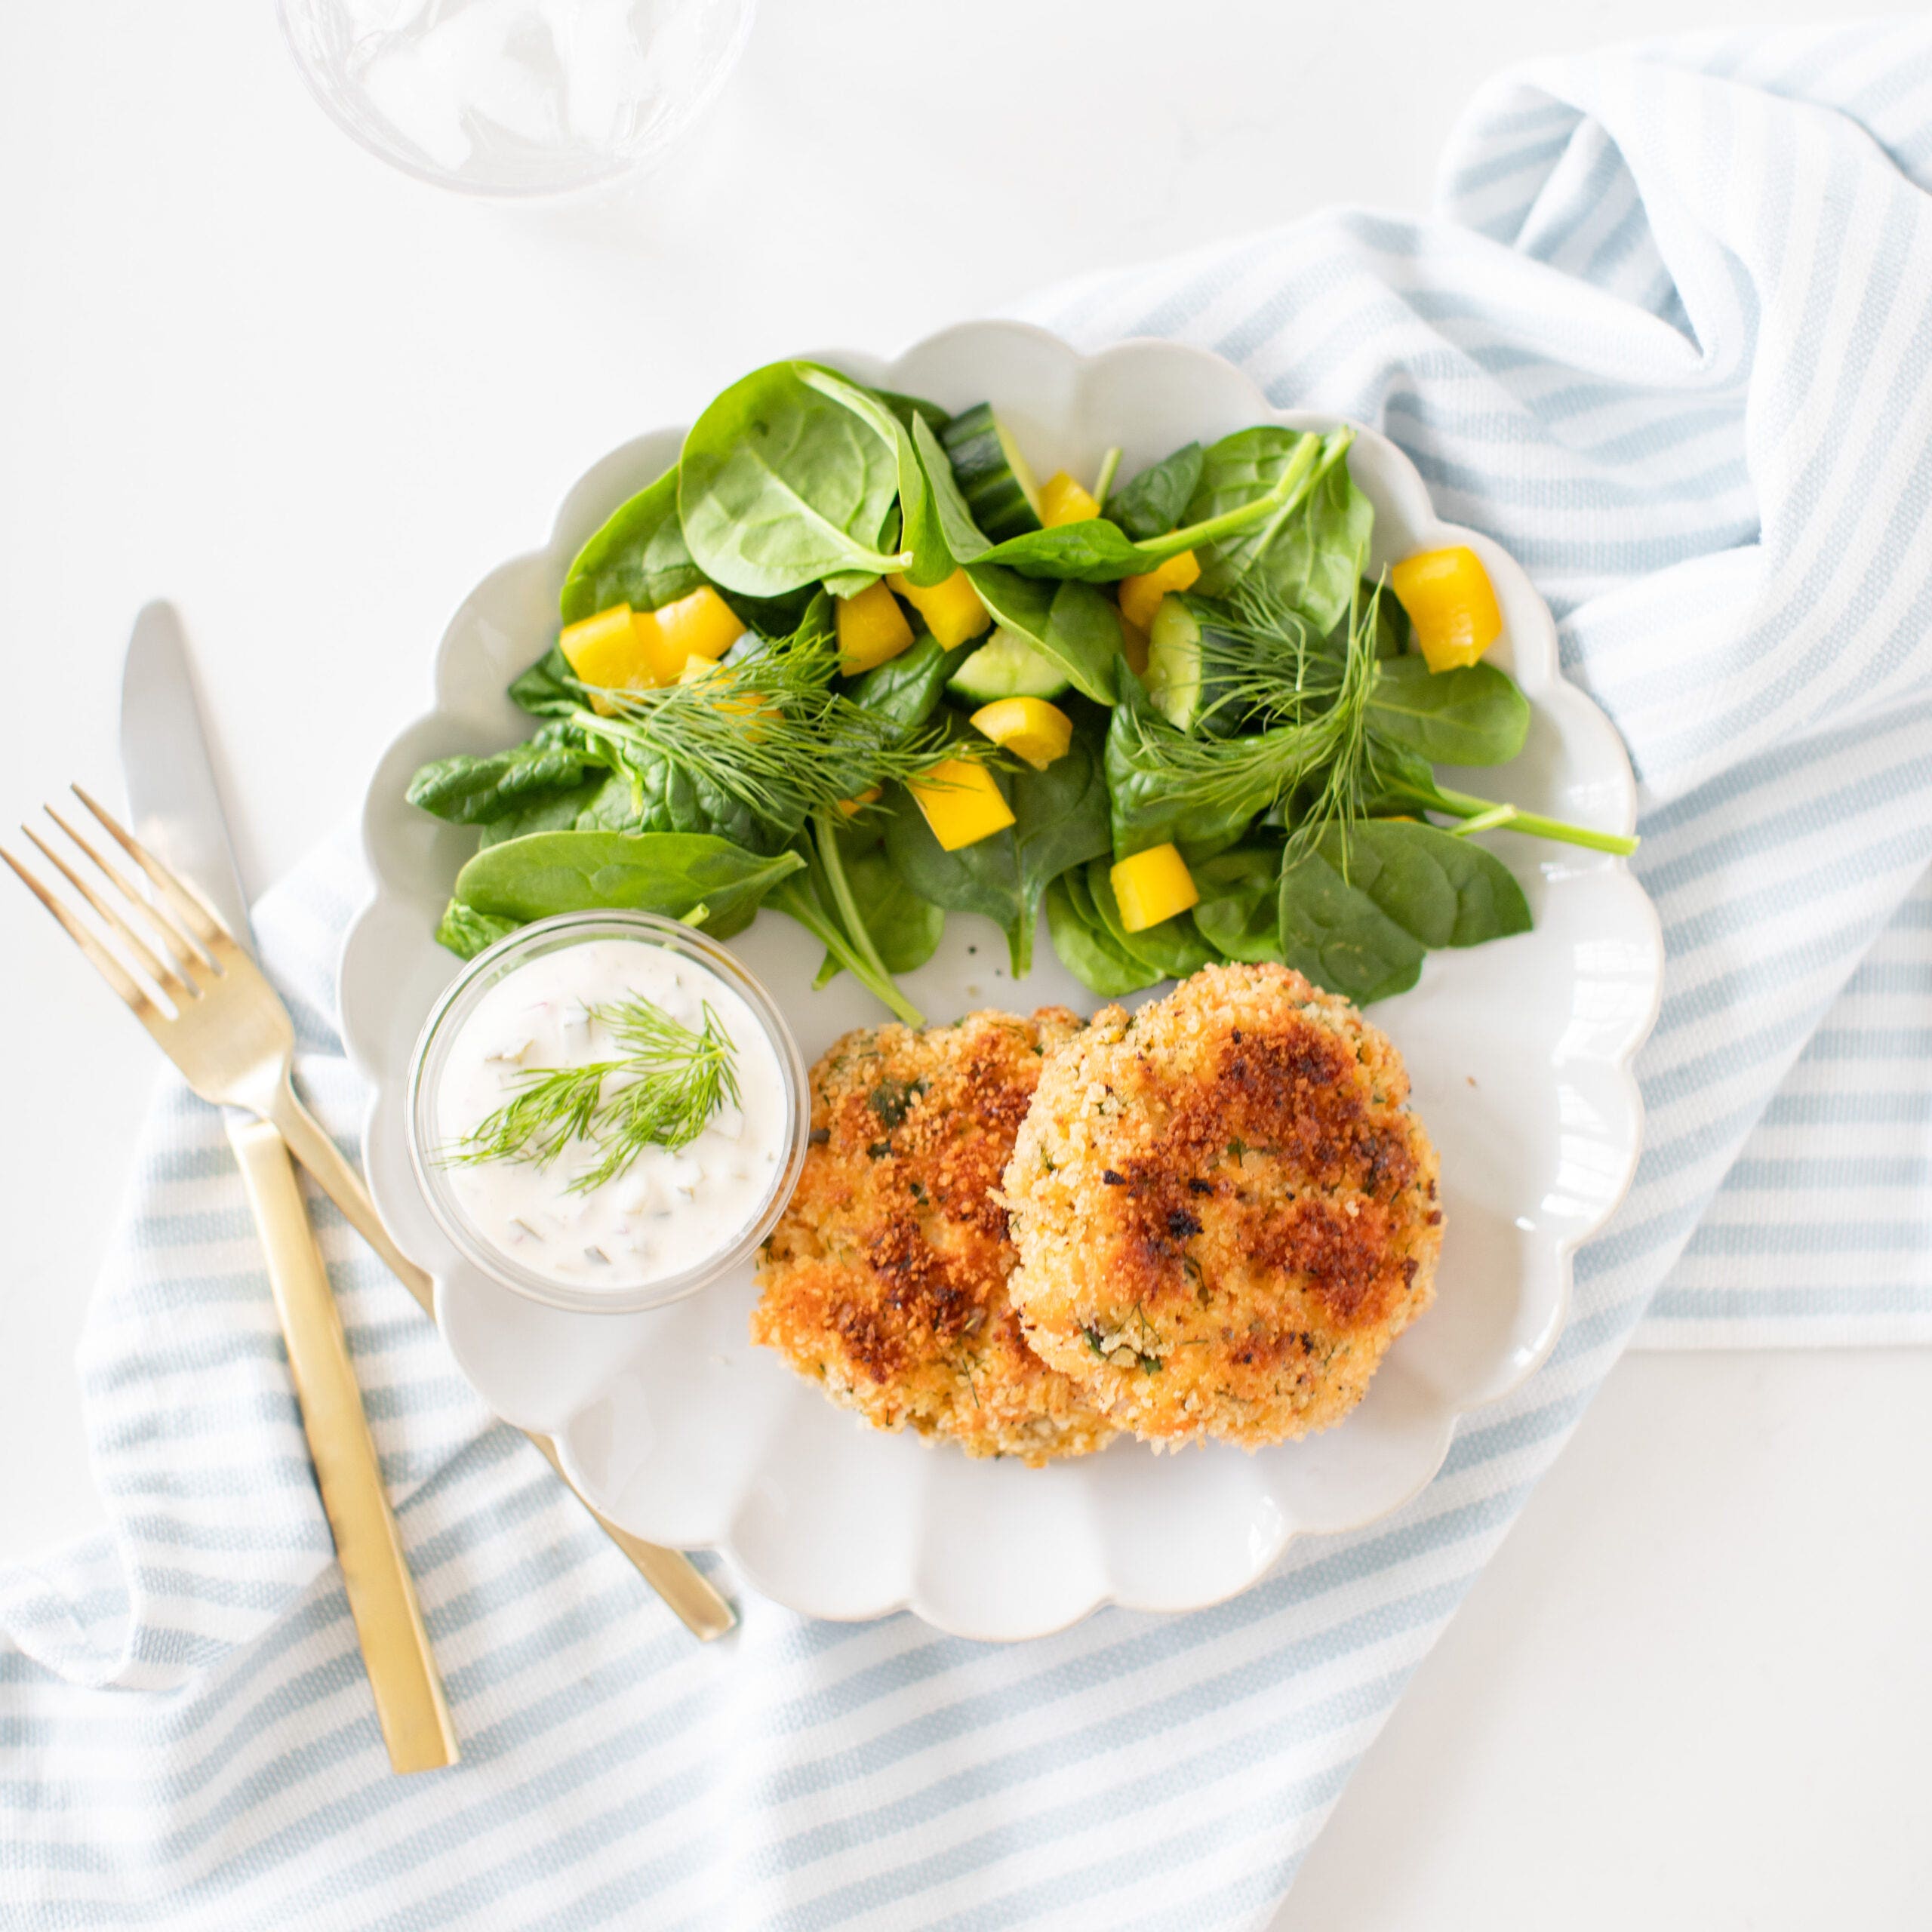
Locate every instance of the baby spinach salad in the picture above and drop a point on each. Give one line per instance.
(847, 660)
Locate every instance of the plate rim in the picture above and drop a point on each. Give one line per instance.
(590, 486)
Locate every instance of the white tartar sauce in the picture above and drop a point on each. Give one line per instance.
(668, 1211)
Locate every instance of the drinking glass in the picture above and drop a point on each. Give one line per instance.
(516, 96)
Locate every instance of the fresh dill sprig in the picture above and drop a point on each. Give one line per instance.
(1314, 706)
(772, 730)
(663, 1093)
(1340, 802)
(1276, 668)
(1265, 663)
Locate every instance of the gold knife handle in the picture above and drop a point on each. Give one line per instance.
(389, 1621)
(703, 1610)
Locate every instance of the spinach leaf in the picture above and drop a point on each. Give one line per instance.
(964, 537)
(1315, 560)
(1309, 555)
(548, 689)
(473, 791)
(907, 688)
(1474, 714)
(912, 409)
(1084, 947)
(1061, 818)
(1235, 470)
(1359, 910)
(638, 558)
(576, 810)
(779, 485)
(653, 792)
(1333, 932)
(1071, 623)
(1059, 821)
(1394, 635)
(669, 873)
(1170, 950)
(467, 932)
(982, 877)
(1400, 781)
(1145, 810)
(1239, 915)
(1094, 551)
(1156, 500)
(1442, 890)
(918, 527)
(905, 928)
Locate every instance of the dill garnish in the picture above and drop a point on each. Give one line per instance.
(663, 1091)
(772, 730)
(1311, 703)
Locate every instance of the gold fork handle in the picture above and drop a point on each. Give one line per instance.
(389, 1621)
(703, 1611)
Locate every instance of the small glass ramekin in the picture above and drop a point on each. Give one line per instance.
(445, 1022)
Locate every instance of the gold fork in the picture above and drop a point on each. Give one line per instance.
(217, 1020)
(232, 1038)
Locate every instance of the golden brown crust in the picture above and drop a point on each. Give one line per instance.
(886, 1279)
(1224, 1210)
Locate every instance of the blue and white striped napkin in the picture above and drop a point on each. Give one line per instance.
(1668, 337)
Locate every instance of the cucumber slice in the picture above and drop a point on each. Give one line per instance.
(1178, 685)
(1173, 663)
(1007, 666)
(993, 476)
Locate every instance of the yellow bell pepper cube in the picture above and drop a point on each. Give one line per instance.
(1063, 501)
(960, 802)
(871, 628)
(1153, 886)
(952, 609)
(1029, 728)
(1452, 603)
(608, 651)
(622, 650)
(701, 625)
(852, 807)
(1140, 596)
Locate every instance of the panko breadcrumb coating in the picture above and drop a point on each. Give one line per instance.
(886, 1279)
(1224, 1210)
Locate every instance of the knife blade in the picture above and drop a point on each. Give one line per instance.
(170, 777)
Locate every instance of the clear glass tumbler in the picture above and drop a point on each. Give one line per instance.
(516, 96)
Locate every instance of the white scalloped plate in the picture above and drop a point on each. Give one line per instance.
(1520, 1053)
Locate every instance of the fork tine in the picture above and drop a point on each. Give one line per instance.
(110, 969)
(164, 975)
(181, 949)
(200, 921)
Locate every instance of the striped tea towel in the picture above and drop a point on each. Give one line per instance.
(1668, 337)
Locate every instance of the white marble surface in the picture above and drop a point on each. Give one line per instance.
(243, 365)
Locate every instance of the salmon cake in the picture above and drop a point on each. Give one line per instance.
(885, 1280)
(1224, 1209)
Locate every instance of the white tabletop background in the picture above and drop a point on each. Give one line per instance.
(244, 365)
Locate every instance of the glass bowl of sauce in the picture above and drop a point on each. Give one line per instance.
(607, 1112)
